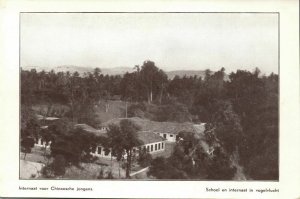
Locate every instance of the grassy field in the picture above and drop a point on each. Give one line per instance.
(37, 155)
(107, 110)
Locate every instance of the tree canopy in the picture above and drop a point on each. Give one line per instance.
(122, 139)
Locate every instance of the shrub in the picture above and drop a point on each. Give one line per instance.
(144, 158)
(59, 165)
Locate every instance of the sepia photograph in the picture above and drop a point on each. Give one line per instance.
(149, 96)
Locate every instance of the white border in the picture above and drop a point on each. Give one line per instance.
(289, 102)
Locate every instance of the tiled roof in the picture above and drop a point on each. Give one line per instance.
(148, 128)
(161, 127)
(90, 129)
(148, 137)
(145, 136)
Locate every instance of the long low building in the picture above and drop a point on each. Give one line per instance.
(152, 134)
(152, 143)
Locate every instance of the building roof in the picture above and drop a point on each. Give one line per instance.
(149, 129)
(145, 136)
(90, 129)
(199, 128)
(40, 117)
(161, 127)
(148, 137)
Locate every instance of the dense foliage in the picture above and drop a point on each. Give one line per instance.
(190, 160)
(242, 112)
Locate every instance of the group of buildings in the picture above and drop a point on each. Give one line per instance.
(154, 135)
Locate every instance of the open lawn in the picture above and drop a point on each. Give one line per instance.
(35, 157)
(110, 109)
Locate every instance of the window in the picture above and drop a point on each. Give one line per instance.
(165, 135)
(162, 145)
(148, 150)
(171, 135)
(106, 151)
(155, 147)
(151, 147)
(158, 146)
(99, 150)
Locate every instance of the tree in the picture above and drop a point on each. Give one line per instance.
(114, 139)
(208, 73)
(129, 86)
(220, 166)
(160, 168)
(175, 112)
(190, 161)
(75, 92)
(59, 165)
(97, 72)
(130, 140)
(185, 89)
(227, 126)
(123, 138)
(144, 158)
(74, 144)
(46, 138)
(255, 100)
(30, 129)
(152, 79)
(27, 143)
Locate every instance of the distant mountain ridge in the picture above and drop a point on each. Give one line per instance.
(81, 70)
(116, 71)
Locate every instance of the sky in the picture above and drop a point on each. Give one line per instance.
(174, 41)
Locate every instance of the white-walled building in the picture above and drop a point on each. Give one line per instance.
(152, 142)
(41, 143)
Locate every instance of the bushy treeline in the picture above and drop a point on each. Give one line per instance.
(190, 160)
(242, 113)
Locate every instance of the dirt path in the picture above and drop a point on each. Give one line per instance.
(140, 171)
(239, 175)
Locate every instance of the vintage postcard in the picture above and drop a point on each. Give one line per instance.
(113, 102)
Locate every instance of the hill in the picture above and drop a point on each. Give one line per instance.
(82, 69)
